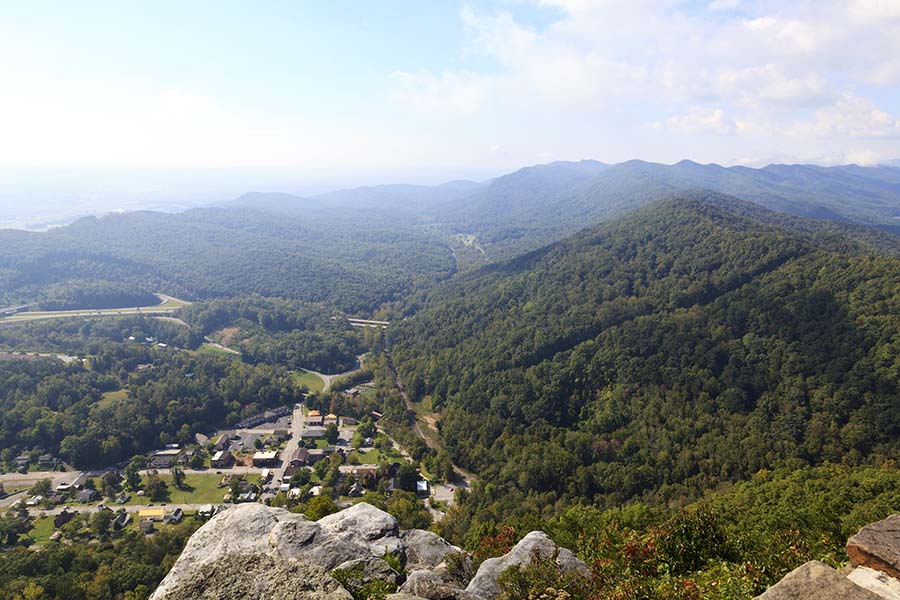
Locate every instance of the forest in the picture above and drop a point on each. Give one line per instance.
(105, 414)
(670, 352)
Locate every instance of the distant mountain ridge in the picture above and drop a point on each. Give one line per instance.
(537, 205)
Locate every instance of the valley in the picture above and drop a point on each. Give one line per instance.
(632, 356)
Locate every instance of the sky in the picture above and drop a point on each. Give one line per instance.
(347, 91)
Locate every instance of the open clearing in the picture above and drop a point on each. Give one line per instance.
(167, 305)
(312, 381)
(198, 489)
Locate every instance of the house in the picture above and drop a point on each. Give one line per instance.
(122, 498)
(221, 459)
(299, 457)
(64, 488)
(330, 419)
(152, 514)
(62, 518)
(122, 520)
(186, 456)
(360, 471)
(87, 496)
(422, 488)
(47, 461)
(356, 490)
(264, 475)
(313, 433)
(314, 418)
(34, 500)
(174, 517)
(147, 527)
(314, 456)
(57, 499)
(222, 442)
(281, 434)
(22, 461)
(55, 536)
(163, 459)
(349, 421)
(265, 459)
(207, 511)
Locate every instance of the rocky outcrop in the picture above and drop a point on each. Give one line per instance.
(257, 576)
(536, 544)
(816, 581)
(877, 546)
(253, 551)
(874, 573)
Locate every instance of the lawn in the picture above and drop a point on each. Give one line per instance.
(207, 348)
(313, 382)
(199, 489)
(42, 530)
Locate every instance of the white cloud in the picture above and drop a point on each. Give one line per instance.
(700, 121)
(455, 91)
(851, 116)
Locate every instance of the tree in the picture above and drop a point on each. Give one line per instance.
(42, 488)
(320, 506)
(101, 521)
(443, 466)
(301, 478)
(132, 474)
(197, 461)
(235, 489)
(155, 488)
(332, 433)
(178, 477)
(407, 476)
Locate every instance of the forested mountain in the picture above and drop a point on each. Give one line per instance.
(538, 205)
(353, 260)
(358, 249)
(657, 356)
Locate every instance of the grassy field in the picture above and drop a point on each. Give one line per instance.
(114, 397)
(313, 382)
(207, 348)
(199, 489)
(42, 530)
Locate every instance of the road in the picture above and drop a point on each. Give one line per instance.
(131, 508)
(328, 378)
(167, 305)
(465, 476)
(291, 445)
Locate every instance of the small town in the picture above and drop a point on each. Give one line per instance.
(280, 457)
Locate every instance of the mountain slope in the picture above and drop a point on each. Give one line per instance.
(658, 355)
(539, 205)
(356, 261)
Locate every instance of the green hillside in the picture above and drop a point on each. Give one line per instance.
(657, 357)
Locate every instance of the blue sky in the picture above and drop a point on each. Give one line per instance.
(446, 87)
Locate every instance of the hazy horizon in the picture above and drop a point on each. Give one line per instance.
(56, 197)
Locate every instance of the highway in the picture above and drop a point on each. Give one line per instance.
(167, 305)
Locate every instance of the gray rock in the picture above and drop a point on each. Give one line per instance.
(425, 550)
(429, 585)
(241, 577)
(816, 581)
(359, 532)
(877, 546)
(402, 596)
(537, 543)
(240, 530)
(370, 569)
(361, 520)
